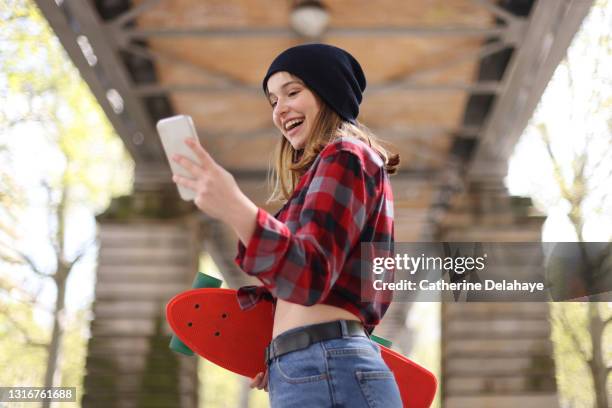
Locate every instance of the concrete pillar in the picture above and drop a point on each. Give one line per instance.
(149, 248)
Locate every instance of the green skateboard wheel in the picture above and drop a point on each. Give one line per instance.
(201, 280)
(381, 341)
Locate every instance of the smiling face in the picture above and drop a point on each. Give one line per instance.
(295, 107)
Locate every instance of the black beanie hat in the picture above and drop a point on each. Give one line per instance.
(332, 73)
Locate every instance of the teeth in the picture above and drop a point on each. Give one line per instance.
(292, 122)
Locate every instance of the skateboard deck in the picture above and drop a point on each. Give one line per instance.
(210, 322)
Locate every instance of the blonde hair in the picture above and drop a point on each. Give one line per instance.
(290, 164)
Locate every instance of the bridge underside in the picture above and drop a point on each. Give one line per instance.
(451, 86)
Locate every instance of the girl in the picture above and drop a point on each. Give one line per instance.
(333, 176)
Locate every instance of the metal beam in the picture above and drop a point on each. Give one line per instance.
(485, 87)
(394, 137)
(107, 77)
(550, 31)
(95, 76)
(133, 13)
(391, 133)
(282, 32)
(159, 174)
(497, 11)
(161, 89)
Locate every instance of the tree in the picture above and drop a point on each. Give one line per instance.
(87, 162)
(576, 140)
(591, 320)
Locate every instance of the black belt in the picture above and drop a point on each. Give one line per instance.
(304, 337)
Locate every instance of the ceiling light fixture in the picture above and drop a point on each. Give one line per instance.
(309, 18)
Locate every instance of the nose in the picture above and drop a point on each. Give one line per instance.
(280, 109)
(281, 106)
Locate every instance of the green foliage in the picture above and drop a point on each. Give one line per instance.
(426, 349)
(45, 102)
(574, 379)
(12, 204)
(22, 364)
(220, 388)
(44, 88)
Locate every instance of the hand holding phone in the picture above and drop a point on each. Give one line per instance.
(218, 194)
(173, 131)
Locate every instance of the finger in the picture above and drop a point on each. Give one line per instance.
(185, 182)
(265, 380)
(258, 383)
(189, 165)
(255, 381)
(262, 381)
(199, 150)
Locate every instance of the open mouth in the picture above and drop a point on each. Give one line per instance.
(294, 127)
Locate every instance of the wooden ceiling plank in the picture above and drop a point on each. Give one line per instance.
(222, 81)
(466, 56)
(343, 13)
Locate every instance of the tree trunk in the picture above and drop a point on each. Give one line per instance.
(596, 364)
(60, 279)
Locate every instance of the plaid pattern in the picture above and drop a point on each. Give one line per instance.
(309, 251)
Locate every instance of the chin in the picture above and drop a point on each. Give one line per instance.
(297, 142)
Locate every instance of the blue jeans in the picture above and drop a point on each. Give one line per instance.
(343, 372)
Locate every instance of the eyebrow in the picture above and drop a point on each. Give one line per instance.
(286, 85)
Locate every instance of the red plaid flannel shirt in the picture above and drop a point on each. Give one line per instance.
(309, 251)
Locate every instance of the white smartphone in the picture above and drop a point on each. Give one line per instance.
(173, 131)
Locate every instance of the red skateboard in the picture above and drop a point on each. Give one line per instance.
(210, 322)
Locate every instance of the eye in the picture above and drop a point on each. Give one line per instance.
(294, 92)
(273, 104)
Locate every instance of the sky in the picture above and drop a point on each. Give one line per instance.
(29, 144)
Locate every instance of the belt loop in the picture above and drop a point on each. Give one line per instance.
(272, 350)
(344, 328)
(270, 353)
